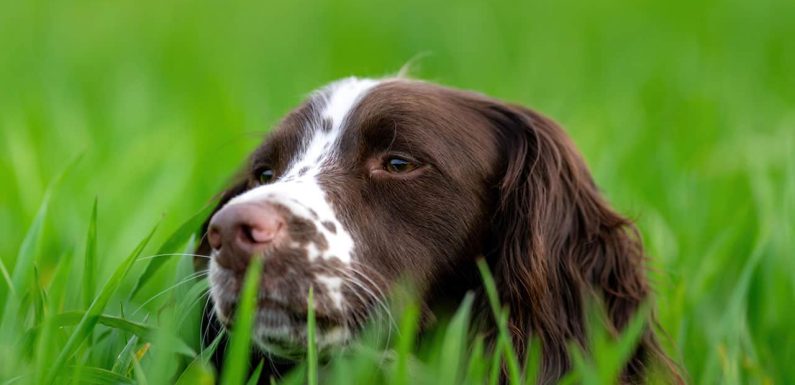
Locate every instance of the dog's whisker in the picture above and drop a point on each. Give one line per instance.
(173, 255)
(185, 280)
(358, 287)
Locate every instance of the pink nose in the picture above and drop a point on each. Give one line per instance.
(241, 230)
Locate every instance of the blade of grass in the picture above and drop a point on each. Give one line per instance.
(192, 298)
(144, 331)
(408, 333)
(60, 283)
(27, 250)
(91, 317)
(50, 335)
(501, 317)
(123, 359)
(200, 367)
(38, 295)
(614, 355)
(14, 380)
(24, 263)
(178, 238)
(85, 375)
(89, 262)
(571, 378)
(23, 272)
(162, 364)
(26, 256)
(476, 368)
(297, 376)
(454, 344)
(91, 375)
(6, 277)
(208, 352)
(237, 357)
(311, 342)
(254, 379)
(532, 365)
(43, 344)
(491, 288)
(197, 373)
(496, 365)
(140, 375)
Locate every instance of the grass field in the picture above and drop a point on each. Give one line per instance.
(119, 116)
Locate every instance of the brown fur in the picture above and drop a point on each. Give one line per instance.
(497, 181)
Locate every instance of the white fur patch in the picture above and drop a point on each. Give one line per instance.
(333, 288)
(343, 96)
(298, 189)
(333, 337)
(300, 192)
(220, 285)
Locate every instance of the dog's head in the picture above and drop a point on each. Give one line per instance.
(373, 182)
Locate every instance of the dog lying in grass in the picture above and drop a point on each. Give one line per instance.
(370, 182)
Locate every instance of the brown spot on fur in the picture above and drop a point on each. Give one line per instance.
(304, 232)
(330, 227)
(326, 124)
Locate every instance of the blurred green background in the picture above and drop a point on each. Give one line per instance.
(684, 110)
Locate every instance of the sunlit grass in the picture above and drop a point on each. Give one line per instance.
(684, 111)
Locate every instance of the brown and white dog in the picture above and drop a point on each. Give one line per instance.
(370, 182)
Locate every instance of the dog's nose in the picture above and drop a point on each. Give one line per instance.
(241, 230)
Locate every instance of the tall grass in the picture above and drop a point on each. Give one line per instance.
(685, 112)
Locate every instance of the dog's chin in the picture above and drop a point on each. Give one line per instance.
(279, 329)
(279, 333)
(289, 339)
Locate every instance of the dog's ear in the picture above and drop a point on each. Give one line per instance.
(238, 185)
(558, 245)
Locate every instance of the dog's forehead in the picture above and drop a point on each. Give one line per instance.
(323, 126)
(340, 97)
(298, 189)
(321, 118)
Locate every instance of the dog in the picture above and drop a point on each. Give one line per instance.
(373, 181)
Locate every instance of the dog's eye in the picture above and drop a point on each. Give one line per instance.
(399, 165)
(266, 176)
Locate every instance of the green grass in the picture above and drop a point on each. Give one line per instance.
(237, 357)
(119, 116)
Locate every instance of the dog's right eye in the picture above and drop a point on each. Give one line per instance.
(399, 165)
(266, 176)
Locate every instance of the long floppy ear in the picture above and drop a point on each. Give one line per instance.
(559, 245)
(238, 185)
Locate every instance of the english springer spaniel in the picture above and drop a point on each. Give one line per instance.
(371, 182)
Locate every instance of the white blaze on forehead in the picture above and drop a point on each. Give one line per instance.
(298, 189)
(343, 96)
(339, 98)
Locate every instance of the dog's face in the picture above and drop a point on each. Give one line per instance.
(366, 184)
(373, 183)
